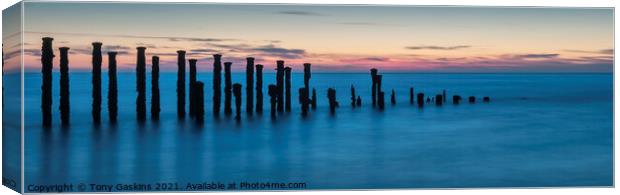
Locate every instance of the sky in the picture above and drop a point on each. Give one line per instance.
(332, 38)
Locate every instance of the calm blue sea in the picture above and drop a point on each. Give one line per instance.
(539, 130)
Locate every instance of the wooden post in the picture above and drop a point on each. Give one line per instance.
(438, 99)
(420, 99)
(287, 84)
(359, 101)
(181, 84)
(217, 84)
(273, 93)
(353, 96)
(472, 99)
(155, 109)
(141, 84)
(313, 99)
(249, 84)
(259, 88)
(373, 75)
(381, 98)
(303, 100)
(112, 88)
(486, 99)
(227, 89)
(64, 86)
(456, 99)
(237, 93)
(192, 82)
(199, 101)
(280, 84)
(393, 97)
(47, 64)
(331, 96)
(96, 81)
(411, 92)
(444, 96)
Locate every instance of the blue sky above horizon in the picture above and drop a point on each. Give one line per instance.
(332, 38)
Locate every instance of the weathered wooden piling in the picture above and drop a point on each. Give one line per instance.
(373, 75)
(353, 96)
(381, 98)
(456, 99)
(199, 101)
(155, 109)
(217, 84)
(249, 84)
(181, 84)
(393, 97)
(444, 96)
(237, 94)
(472, 99)
(287, 84)
(47, 64)
(64, 86)
(141, 84)
(96, 81)
(486, 99)
(313, 99)
(359, 101)
(438, 99)
(303, 100)
(411, 92)
(192, 82)
(273, 94)
(227, 89)
(331, 96)
(280, 84)
(420, 99)
(259, 88)
(112, 88)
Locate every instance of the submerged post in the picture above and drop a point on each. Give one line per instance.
(303, 96)
(112, 88)
(313, 99)
(393, 97)
(249, 84)
(411, 95)
(420, 99)
(472, 99)
(359, 101)
(307, 75)
(353, 97)
(47, 61)
(259, 88)
(141, 84)
(444, 96)
(331, 96)
(96, 81)
(381, 98)
(456, 99)
(280, 84)
(486, 99)
(227, 89)
(199, 101)
(217, 84)
(273, 93)
(287, 84)
(64, 86)
(237, 93)
(181, 84)
(439, 99)
(155, 88)
(192, 82)
(373, 76)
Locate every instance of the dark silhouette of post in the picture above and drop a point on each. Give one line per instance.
(155, 109)
(192, 82)
(280, 84)
(438, 99)
(237, 93)
(444, 96)
(249, 84)
(381, 98)
(420, 99)
(359, 101)
(486, 99)
(331, 96)
(217, 84)
(47, 64)
(64, 86)
(373, 75)
(181, 84)
(456, 99)
(227, 89)
(112, 88)
(393, 97)
(273, 93)
(141, 84)
(353, 96)
(472, 99)
(307, 75)
(411, 92)
(303, 101)
(287, 84)
(259, 88)
(313, 99)
(96, 81)
(199, 102)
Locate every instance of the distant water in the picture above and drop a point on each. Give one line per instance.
(539, 130)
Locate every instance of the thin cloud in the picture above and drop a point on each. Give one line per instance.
(280, 52)
(549, 55)
(175, 39)
(431, 47)
(299, 13)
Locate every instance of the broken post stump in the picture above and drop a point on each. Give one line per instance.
(96, 81)
(249, 84)
(420, 99)
(272, 91)
(64, 86)
(280, 84)
(141, 84)
(155, 108)
(217, 84)
(192, 81)
(287, 84)
(472, 99)
(393, 97)
(199, 101)
(47, 58)
(259, 88)
(456, 99)
(438, 99)
(112, 88)
(181, 84)
(331, 96)
(227, 89)
(237, 94)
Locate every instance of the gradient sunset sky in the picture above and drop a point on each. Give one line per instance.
(332, 38)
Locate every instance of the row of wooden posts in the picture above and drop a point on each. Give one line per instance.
(279, 94)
